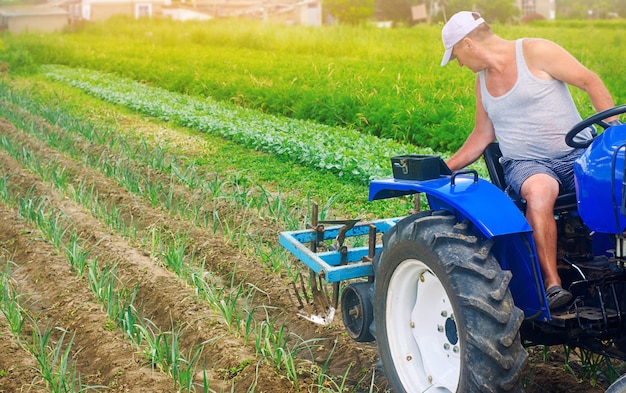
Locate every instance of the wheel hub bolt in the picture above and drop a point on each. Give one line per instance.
(355, 312)
(440, 328)
(444, 313)
(446, 346)
(455, 349)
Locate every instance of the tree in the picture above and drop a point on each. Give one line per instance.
(497, 10)
(491, 10)
(350, 11)
(451, 7)
(394, 10)
(580, 9)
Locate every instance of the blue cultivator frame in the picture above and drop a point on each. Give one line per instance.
(463, 194)
(340, 263)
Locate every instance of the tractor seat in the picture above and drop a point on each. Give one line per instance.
(492, 154)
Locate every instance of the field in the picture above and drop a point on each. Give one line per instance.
(138, 238)
(383, 82)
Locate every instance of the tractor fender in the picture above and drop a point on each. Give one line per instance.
(496, 216)
(484, 204)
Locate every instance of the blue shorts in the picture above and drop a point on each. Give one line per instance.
(561, 169)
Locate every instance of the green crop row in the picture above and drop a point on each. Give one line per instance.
(384, 82)
(342, 151)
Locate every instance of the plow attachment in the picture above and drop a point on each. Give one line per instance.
(329, 259)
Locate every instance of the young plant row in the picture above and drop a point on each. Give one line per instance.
(160, 347)
(52, 354)
(182, 188)
(271, 341)
(342, 151)
(185, 189)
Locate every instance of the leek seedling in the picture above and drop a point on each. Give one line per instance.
(76, 253)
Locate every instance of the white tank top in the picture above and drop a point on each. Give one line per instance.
(532, 118)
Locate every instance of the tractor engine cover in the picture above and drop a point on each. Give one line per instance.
(599, 174)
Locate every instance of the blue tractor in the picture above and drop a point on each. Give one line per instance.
(454, 294)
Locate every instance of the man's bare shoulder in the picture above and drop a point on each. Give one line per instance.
(539, 45)
(541, 55)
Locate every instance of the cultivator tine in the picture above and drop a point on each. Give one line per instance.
(318, 310)
(303, 287)
(343, 250)
(318, 291)
(371, 243)
(316, 303)
(321, 308)
(298, 297)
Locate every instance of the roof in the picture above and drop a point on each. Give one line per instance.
(165, 2)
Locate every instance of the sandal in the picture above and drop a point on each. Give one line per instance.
(557, 297)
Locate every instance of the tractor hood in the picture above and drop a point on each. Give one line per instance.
(599, 174)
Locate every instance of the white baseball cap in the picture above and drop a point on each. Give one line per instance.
(460, 25)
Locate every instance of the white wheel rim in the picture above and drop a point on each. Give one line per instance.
(421, 331)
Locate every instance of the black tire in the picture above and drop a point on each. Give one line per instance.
(357, 311)
(444, 316)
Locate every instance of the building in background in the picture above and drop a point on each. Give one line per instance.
(38, 18)
(100, 10)
(294, 12)
(56, 14)
(291, 12)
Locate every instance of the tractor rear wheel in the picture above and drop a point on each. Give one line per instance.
(619, 386)
(444, 316)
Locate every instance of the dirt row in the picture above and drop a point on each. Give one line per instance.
(57, 298)
(162, 296)
(60, 299)
(17, 366)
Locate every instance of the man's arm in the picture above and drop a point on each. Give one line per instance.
(547, 60)
(481, 136)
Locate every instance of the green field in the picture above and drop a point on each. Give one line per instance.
(385, 82)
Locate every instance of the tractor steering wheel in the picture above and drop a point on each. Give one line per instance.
(598, 119)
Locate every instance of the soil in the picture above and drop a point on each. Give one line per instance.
(57, 297)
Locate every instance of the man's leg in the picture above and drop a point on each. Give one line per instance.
(540, 192)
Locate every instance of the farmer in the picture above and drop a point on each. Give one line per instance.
(523, 101)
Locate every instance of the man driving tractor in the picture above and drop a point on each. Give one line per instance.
(523, 102)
